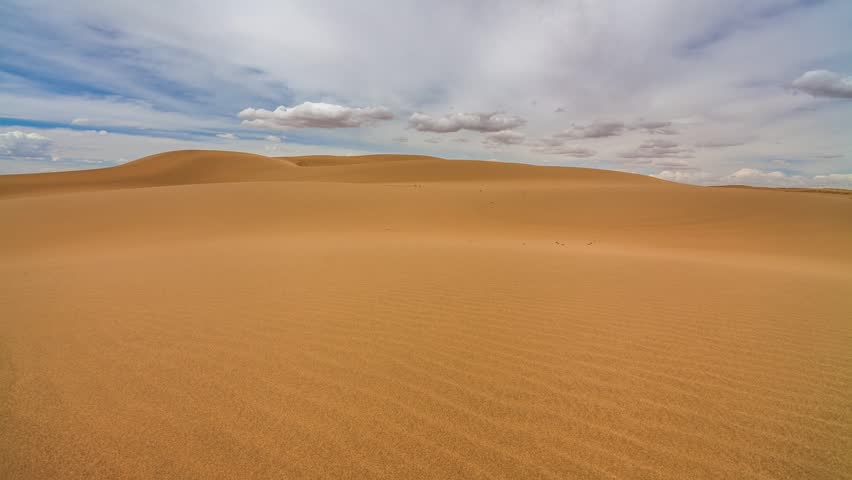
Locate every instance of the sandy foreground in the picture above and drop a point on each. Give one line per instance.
(222, 315)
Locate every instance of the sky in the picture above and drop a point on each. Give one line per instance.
(696, 91)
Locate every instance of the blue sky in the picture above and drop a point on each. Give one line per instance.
(698, 91)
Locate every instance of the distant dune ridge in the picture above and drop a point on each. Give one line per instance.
(203, 314)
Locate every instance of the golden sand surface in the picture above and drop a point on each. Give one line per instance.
(207, 314)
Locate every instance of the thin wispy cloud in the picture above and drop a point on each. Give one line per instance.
(656, 148)
(594, 130)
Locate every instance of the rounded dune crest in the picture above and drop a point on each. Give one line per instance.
(188, 167)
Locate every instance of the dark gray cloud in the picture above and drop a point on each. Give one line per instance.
(454, 122)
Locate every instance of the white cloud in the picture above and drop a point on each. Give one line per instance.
(273, 138)
(80, 121)
(752, 174)
(454, 122)
(313, 115)
(432, 140)
(19, 145)
(227, 136)
(824, 83)
(655, 148)
(683, 176)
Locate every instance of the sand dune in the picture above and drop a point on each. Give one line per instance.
(221, 315)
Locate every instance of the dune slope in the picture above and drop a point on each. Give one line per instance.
(220, 315)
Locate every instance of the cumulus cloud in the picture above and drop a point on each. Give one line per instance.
(454, 122)
(227, 136)
(272, 138)
(599, 129)
(824, 83)
(505, 137)
(313, 115)
(751, 174)
(80, 121)
(655, 148)
(683, 176)
(18, 145)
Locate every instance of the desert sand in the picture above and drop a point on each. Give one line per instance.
(222, 315)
